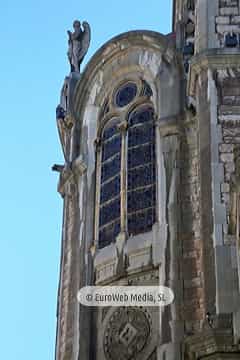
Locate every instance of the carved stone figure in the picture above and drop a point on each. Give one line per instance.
(78, 42)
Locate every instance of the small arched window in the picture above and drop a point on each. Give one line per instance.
(127, 195)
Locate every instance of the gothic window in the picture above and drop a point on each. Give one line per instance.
(127, 195)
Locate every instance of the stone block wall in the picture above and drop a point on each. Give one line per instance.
(202, 25)
(228, 23)
(192, 310)
(66, 296)
(229, 126)
(189, 32)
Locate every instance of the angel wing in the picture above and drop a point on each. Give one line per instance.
(86, 37)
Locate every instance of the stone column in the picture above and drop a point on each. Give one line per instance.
(68, 189)
(97, 199)
(171, 326)
(69, 326)
(123, 182)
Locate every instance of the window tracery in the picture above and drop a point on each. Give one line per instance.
(125, 94)
(127, 166)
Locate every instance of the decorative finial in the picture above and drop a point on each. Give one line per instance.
(78, 44)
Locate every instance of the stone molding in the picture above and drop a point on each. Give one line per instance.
(169, 125)
(68, 184)
(117, 47)
(215, 59)
(110, 263)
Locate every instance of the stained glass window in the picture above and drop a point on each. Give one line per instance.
(140, 164)
(109, 221)
(126, 94)
(141, 171)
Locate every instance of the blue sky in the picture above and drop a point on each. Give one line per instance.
(33, 65)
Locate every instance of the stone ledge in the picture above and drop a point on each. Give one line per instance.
(211, 342)
(135, 256)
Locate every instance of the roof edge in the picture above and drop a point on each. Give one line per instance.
(126, 35)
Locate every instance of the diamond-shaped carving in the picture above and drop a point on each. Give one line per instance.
(128, 334)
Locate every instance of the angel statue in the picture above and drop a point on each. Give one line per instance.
(78, 43)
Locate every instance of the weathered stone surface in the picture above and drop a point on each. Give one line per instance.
(235, 19)
(232, 10)
(225, 3)
(223, 20)
(224, 29)
(226, 148)
(226, 157)
(191, 247)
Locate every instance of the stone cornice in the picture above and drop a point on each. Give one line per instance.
(214, 59)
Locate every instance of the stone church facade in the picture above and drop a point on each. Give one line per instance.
(150, 132)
